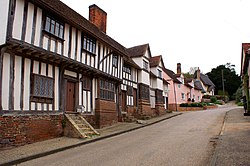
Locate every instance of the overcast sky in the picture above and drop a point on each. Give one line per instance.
(196, 33)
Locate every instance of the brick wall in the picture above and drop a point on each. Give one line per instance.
(144, 109)
(106, 113)
(160, 110)
(18, 130)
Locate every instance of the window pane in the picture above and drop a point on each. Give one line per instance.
(57, 29)
(47, 24)
(61, 31)
(52, 28)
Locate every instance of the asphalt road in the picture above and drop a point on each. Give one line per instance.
(187, 139)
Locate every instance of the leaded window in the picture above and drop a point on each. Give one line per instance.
(144, 91)
(54, 27)
(86, 83)
(127, 69)
(89, 43)
(107, 90)
(115, 60)
(159, 73)
(159, 96)
(129, 90)
(42, 86)
(145, 65)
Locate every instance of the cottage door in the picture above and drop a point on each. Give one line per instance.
(70, 98)
(124, 101)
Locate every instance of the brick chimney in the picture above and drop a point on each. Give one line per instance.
(198, 74)
(178, 68)
(98, 17)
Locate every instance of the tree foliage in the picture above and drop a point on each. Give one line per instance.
(232, 81)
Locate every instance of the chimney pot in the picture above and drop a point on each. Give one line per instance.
(198, 74)
(178, 68)
(98, 17)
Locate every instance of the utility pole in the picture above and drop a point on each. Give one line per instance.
(223, 88)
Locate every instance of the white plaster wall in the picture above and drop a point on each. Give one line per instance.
(36, 67)
(17, 82)
(145, 77)
(4, 8)
(29, 23)
(147, 54)
(66, 38)
(43, 69)
(138, 61)
(159, 84)
(38, 27)
(70, 73)
(79, 38)
(73, 43)
(56, 86)
(18, 20)
(5, 81)
(26, 92)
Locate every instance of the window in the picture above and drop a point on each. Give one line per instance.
(144, 91)
(54, 27)
(179, 85)
(159, 73)
(129, 90)
(115, 60)
(86, 83)
(183, 96)
(145, 65)
(42, 87)
(107, 90)
(198, 98)
(89, 44)
(159, 96)
(127, 69)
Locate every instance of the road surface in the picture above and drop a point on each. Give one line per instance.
(187, 139)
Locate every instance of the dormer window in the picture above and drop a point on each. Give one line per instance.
(89, 44)
(159, 73)
(54, 27)
(145, 65)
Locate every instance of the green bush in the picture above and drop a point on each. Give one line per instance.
(184, 105)
(213, 99)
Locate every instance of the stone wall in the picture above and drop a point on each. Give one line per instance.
(16, 130)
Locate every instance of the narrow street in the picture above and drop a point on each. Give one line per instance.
(187, 139)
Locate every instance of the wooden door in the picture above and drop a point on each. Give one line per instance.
(70, 98)
(124, 101)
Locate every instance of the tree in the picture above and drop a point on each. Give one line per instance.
(231, 80)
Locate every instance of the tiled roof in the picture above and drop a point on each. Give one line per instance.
(137, 51)
(171, 74)
(154, 61)
(71, 16)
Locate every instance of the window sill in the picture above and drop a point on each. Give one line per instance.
(93, 54)
(53, 36)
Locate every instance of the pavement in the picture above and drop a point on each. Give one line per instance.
(36, 150)
(233, 145)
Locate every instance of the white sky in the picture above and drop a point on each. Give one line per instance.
(196, 33)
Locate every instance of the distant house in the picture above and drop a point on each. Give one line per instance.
(204, 83)
(150, 81)
(181, 89)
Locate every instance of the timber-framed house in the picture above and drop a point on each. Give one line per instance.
(54, 61)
